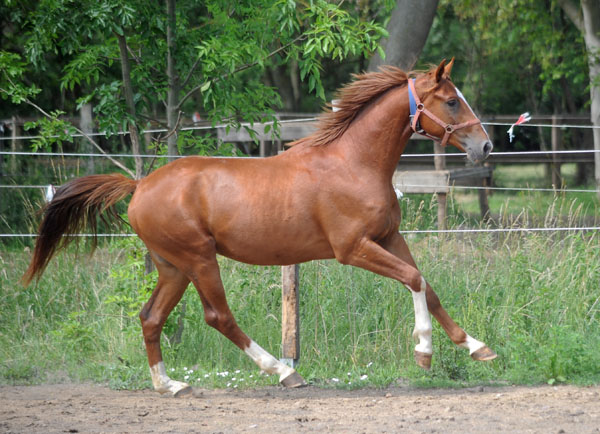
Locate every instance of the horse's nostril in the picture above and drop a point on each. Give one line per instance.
(487, 148)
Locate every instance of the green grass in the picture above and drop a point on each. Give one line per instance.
(534, 298)
(533, 206)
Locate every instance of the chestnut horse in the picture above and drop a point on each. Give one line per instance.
(329, 196)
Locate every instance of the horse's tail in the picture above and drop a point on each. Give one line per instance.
(76, 204)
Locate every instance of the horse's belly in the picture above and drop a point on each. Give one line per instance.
(272, 248)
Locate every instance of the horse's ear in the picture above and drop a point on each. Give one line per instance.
(440, 71)
(448, 68)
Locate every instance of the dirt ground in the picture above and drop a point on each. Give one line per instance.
(86, 408)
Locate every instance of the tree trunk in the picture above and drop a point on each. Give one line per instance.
(408, 29)
(587, 20)
(86, 124)
(173, 90)
(591, 20)
(128, 92)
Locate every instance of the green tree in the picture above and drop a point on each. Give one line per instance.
(585, 15)
(140, 62)
(516, 55)
(408, 29)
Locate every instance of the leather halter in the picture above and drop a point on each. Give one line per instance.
(417, 107)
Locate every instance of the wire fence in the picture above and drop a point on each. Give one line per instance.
(313, 119)
(574, 229)
(454, 154)
(284, 121)
(461, 187)
(451, 187)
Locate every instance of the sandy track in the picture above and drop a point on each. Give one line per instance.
(91, 408)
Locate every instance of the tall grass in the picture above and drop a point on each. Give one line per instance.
(533, 298)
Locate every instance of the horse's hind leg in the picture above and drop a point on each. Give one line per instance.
(425, 296)
(168, 292)
(207, 279)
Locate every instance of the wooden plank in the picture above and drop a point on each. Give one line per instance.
(437, 181)
(458, 175)
(408, 161)
(290, 320)
(288, 132)
(422, 181)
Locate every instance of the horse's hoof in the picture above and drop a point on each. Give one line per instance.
(484, 354)
(293, 380)
(423, 360)
(178, 389)
(183, 392)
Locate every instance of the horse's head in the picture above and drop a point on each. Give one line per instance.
(442, 113)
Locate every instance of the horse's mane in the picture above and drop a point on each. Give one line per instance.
(351, 99)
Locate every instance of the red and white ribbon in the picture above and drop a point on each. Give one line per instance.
(525, 117)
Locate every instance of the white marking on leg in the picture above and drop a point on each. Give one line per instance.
(472, 344)
(267, 362)
(161, 381)
(423, 328)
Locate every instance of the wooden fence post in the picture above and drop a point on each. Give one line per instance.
(15, 146)
(484, 205)
(290, 319)
(439, 162)
(556, 145)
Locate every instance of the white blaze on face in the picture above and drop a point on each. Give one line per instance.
(461, 96)
(423, 328)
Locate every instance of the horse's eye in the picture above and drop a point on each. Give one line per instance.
(452, 103)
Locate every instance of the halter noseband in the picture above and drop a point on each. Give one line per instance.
(417, 107)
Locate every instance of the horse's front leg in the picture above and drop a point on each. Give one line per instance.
(391, 258)
(477, 349)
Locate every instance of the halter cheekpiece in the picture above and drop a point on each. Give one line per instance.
(417, 107)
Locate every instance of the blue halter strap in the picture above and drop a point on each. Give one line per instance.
(411, 101)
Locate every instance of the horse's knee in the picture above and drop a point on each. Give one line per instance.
(151, 326)
(220, 321)
(211, 318)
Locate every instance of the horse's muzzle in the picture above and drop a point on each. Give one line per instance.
(480, 152)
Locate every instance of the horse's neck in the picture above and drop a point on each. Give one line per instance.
(378, 136)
